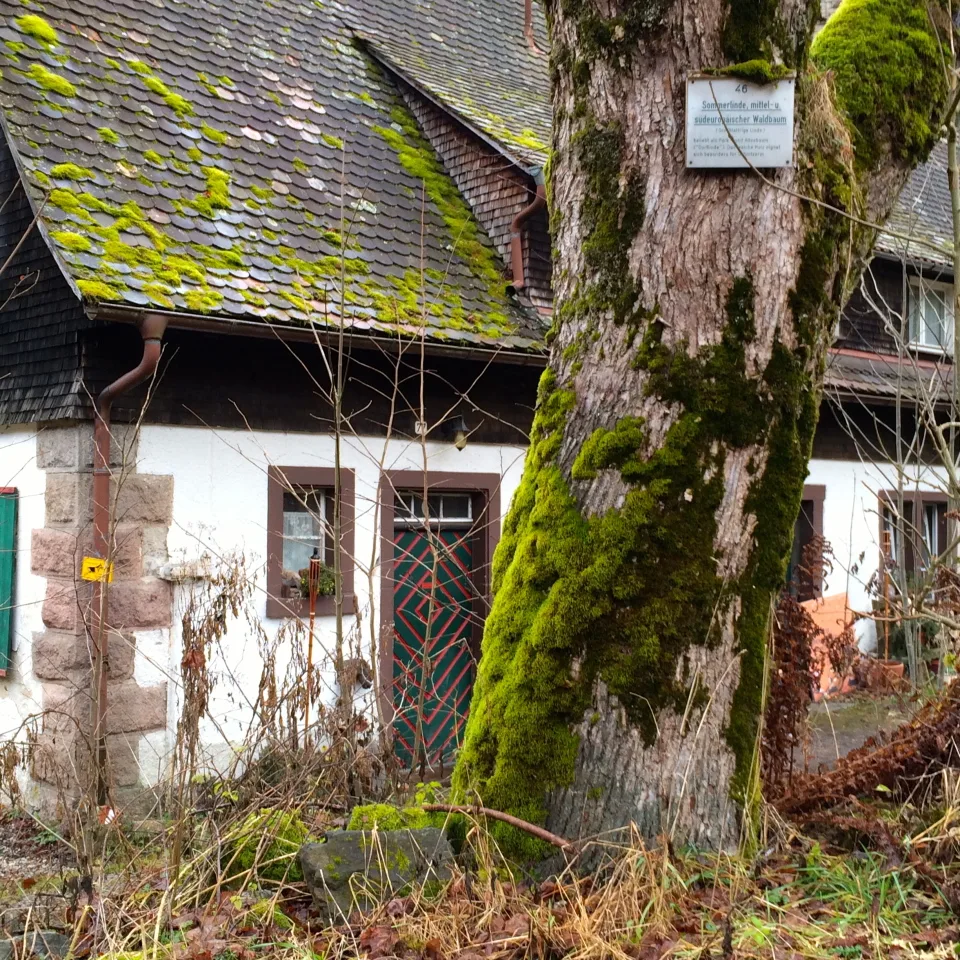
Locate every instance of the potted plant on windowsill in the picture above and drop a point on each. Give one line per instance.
(326, 582)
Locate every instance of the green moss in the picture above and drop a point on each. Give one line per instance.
(71, 241)
(366, 98)
(419, 160)
(108, 136)
(15, 47)
(138, 66)
(116, 251)
(38, 28)
(225, 81)
(755, 71)
(755, 31)
(112, 64)
(179, 105)
(383, 816)
(216, 196)
(886, 60)
(211, 133)
(151, 156)
(195, 154)
(203, 301)
(261, 193)
(70, 171)
(300, 166)
(266, 844)
(332, 141)
(97, 290)
(51, 81)
(41, 178)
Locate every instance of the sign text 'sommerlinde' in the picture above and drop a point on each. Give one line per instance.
(733, 123)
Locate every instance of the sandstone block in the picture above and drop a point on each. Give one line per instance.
(54, 553)
(58, 448)
(68, 498)
(64, 605)
(139, 604)
(144, 498)
(60, 656)
(131, 708)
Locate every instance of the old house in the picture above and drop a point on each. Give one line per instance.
(291, 197)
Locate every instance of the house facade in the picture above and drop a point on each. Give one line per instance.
(331, 225)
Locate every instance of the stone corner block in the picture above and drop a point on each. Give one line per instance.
(68, 498)
(132, 708)
(139, 604)
(143, 498)
(58, 448)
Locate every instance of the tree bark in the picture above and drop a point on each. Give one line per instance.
(623, 660)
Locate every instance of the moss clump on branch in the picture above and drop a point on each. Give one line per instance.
(886, 60)
(755, 71)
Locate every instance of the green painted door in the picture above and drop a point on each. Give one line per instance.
(433, 665)
(8, 569)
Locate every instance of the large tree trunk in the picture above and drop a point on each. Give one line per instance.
(622, 670)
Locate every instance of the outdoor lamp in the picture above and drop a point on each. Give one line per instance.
(456, 427)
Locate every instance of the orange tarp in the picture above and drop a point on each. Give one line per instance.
(831, 615)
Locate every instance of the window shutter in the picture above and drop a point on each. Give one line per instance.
(8, 565)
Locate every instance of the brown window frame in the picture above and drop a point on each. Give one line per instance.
(279, 481)
(815, 493)
(917, 499)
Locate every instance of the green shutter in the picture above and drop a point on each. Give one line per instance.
(8, 566)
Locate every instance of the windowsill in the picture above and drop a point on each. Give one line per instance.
(281, 608)
(931, 351)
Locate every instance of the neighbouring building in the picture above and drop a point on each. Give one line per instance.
(286, 191)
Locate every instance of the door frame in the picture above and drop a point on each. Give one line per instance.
(485, 488)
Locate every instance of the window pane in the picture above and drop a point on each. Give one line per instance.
(934, 317)
(456, 506)
(303, 528)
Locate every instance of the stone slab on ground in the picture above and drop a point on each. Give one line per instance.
(357, 869)
(38, 943)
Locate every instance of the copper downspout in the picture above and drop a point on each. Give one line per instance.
(516, 237)
(152, 327)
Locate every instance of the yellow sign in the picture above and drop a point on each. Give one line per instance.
(93, 568)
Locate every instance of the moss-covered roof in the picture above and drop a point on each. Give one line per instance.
(242, 158)
(473, 57)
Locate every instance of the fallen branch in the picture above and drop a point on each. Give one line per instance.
(530, 828)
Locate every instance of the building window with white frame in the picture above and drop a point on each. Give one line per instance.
(930, 315)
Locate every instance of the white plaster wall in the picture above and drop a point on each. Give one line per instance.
(851, 520)
(220, 509)
(20, 695)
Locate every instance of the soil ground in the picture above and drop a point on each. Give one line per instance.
(838, 726)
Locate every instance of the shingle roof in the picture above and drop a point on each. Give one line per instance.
(243, 158)
(886, 377)
(923, 213)
(473, 57)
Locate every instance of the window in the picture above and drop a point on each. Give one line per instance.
(8, 564)
(300, 520)
(918, 533)
(408, 507)
(804, 572)
(931, 315)
(307, 527)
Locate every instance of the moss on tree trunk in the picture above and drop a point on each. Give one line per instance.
(622, 668)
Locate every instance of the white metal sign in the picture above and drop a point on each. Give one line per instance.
(733, 123)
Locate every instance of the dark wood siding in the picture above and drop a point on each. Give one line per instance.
(39, 345)
(862, 326)
(234, 381)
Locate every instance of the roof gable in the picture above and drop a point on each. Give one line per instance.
(473, 57)
(242, 158)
